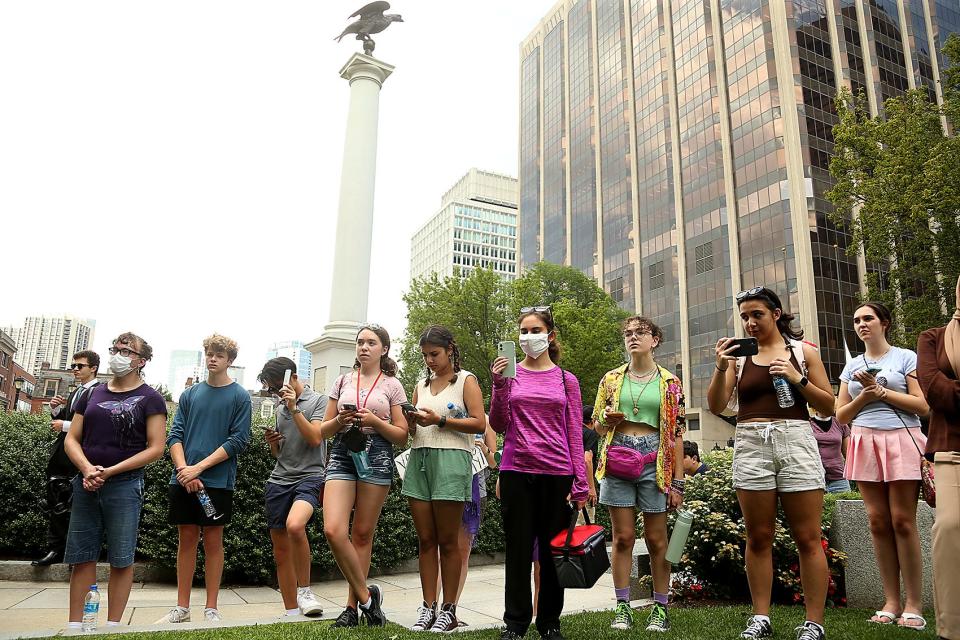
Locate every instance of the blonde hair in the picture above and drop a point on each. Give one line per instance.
(221, 344)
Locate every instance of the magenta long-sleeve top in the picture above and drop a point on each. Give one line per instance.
(540, 414)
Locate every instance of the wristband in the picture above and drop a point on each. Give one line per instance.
(443, 422)
(720, 370)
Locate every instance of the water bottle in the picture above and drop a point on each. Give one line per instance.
(784, 393)
(207, 504)
(455, 411)
(678, 540)
(91, 608)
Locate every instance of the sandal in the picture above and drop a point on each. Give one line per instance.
(883, 617)
(912, 616)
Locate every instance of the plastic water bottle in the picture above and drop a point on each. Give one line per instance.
(784, 393)
(207, 504)
(455, 411)
(91, 609)
(678, 539)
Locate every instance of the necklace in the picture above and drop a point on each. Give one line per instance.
(635, 400)
(642, 375)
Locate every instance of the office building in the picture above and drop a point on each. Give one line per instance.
(700, 130)
(52, 339)
(185, 365)
(236, 374)
(476, 227)
(294, 350)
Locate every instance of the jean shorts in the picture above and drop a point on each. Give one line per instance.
(643, 493)
(278, 499)
(780, 454)
(379, 457)
(114, 510)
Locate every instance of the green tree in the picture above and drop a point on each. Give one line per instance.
(898, 190)
(163, 391)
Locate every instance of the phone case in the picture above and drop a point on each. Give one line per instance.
(508, 350)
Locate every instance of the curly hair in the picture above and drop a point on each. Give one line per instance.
(645, 323)
(442, 337)
(131, 339)
(221, 344)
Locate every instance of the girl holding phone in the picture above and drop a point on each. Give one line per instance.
(439, 476)
(366, 408)
(775, 455)
(539, 412)
(880, 397)
(640, 415)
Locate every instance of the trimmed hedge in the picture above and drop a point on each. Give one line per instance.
(249, 554)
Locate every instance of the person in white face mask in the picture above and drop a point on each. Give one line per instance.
(540, 414)
(117, 430)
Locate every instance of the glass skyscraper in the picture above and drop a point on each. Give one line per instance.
(677, 151)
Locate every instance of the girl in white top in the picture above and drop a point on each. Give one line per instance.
(439, 476)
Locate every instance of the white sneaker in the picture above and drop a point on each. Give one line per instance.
(175, 615)
(308, 603)
(212, 615)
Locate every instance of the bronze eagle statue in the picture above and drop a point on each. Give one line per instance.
(372, 20)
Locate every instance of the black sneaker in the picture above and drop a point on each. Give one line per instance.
(506, 634)
(447, 620)
(426, 616)
(349, 618)
(373, 615)
(552, 634)
(757, 628)
(810, 631)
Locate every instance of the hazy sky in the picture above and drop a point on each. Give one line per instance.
(173, 168)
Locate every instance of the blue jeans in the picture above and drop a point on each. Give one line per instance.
(380, 457)
(114, 510)
(642, 494)
(838, 486)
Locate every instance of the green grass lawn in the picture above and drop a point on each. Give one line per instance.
(702, 623)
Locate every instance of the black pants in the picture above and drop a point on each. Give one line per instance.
(534, 506)
(59, 492)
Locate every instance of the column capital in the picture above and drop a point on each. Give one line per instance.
(362, 66)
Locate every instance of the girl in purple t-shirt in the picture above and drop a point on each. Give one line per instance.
(540, 414)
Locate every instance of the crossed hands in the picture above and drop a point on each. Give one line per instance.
(94, 478)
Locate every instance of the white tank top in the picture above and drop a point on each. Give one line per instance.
(432, 436)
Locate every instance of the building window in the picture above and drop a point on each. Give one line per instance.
(616, 289)
(50, 388)
(693, 424)
(704, 256)
(657, 276)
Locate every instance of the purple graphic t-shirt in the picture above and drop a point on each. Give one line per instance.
(115, 424)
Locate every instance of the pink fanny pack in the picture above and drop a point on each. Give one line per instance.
(626, 463)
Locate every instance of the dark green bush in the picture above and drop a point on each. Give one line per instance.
(249, 556)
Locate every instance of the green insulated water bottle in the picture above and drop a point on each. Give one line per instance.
(678, 540)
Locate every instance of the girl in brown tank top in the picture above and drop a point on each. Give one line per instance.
(775, 455)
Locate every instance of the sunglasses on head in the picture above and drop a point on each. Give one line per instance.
(373, 326)
(541, 309)
(749, 293)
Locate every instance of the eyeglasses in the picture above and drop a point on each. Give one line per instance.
(76, 366)
(629, 333)
(540, 309)
(748, 293)
(123, 351)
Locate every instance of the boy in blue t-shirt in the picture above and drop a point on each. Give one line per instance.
(211, 427)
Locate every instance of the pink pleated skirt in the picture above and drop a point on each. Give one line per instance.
(884, 455)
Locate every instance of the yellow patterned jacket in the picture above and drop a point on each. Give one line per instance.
(672, 420)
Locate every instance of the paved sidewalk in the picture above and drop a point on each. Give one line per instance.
(37, 609)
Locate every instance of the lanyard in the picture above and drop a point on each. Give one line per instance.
(369, 391)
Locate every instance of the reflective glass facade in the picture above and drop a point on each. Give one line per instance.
(696, 147)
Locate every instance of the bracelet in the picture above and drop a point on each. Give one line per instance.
(719, 369)
(339, 421)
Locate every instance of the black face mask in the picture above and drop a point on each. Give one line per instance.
(823, 424)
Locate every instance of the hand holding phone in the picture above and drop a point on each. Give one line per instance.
(745, 347)
(507, 349)
(407, 407)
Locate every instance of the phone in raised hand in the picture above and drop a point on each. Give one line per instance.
(286, 376)
(508, 349)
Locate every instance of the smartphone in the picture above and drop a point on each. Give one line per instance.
(745, 347)
(349, 407)
(508, 349)
(873, 371)
(408, 407)
(286, 376)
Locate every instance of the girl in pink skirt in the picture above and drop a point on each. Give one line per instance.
(881, 399)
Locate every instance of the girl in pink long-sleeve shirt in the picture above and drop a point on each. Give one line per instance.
(540, 413)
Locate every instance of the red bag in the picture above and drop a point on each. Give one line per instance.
(579, 554)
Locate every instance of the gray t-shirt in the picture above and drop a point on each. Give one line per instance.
(297, 459)
(894, 367)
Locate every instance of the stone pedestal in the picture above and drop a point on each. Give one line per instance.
(334, 350)
(850, 533)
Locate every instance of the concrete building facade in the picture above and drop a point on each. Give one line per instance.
(700, 130)
(476, 227)
(52, 339)
(186, 368)
(294, 350)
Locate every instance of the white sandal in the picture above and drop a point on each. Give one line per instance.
(886, 617)
(912, 616)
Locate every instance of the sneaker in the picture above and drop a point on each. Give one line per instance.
(810, 631)
(308, 603)
(373, 615)
(426, 616)
(349, 618)
(658, 620)
(447, 620)
(506, 634)
(175, 615)
(552, 634)
(212, 615)
(757, 628)
(623, 618)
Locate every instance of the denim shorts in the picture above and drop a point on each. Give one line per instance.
(278, 499)
(379, 457)
(114, 510)
(779, 455)
(642, 493)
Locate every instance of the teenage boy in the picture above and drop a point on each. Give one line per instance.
(691, 459)
(293, 492)
(210, 429)
(60, 470)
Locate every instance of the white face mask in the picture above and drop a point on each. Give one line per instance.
(534, 344)
(120, 365)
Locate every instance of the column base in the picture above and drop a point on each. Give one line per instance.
(333, 354)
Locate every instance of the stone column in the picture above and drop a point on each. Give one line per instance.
(334, 350)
